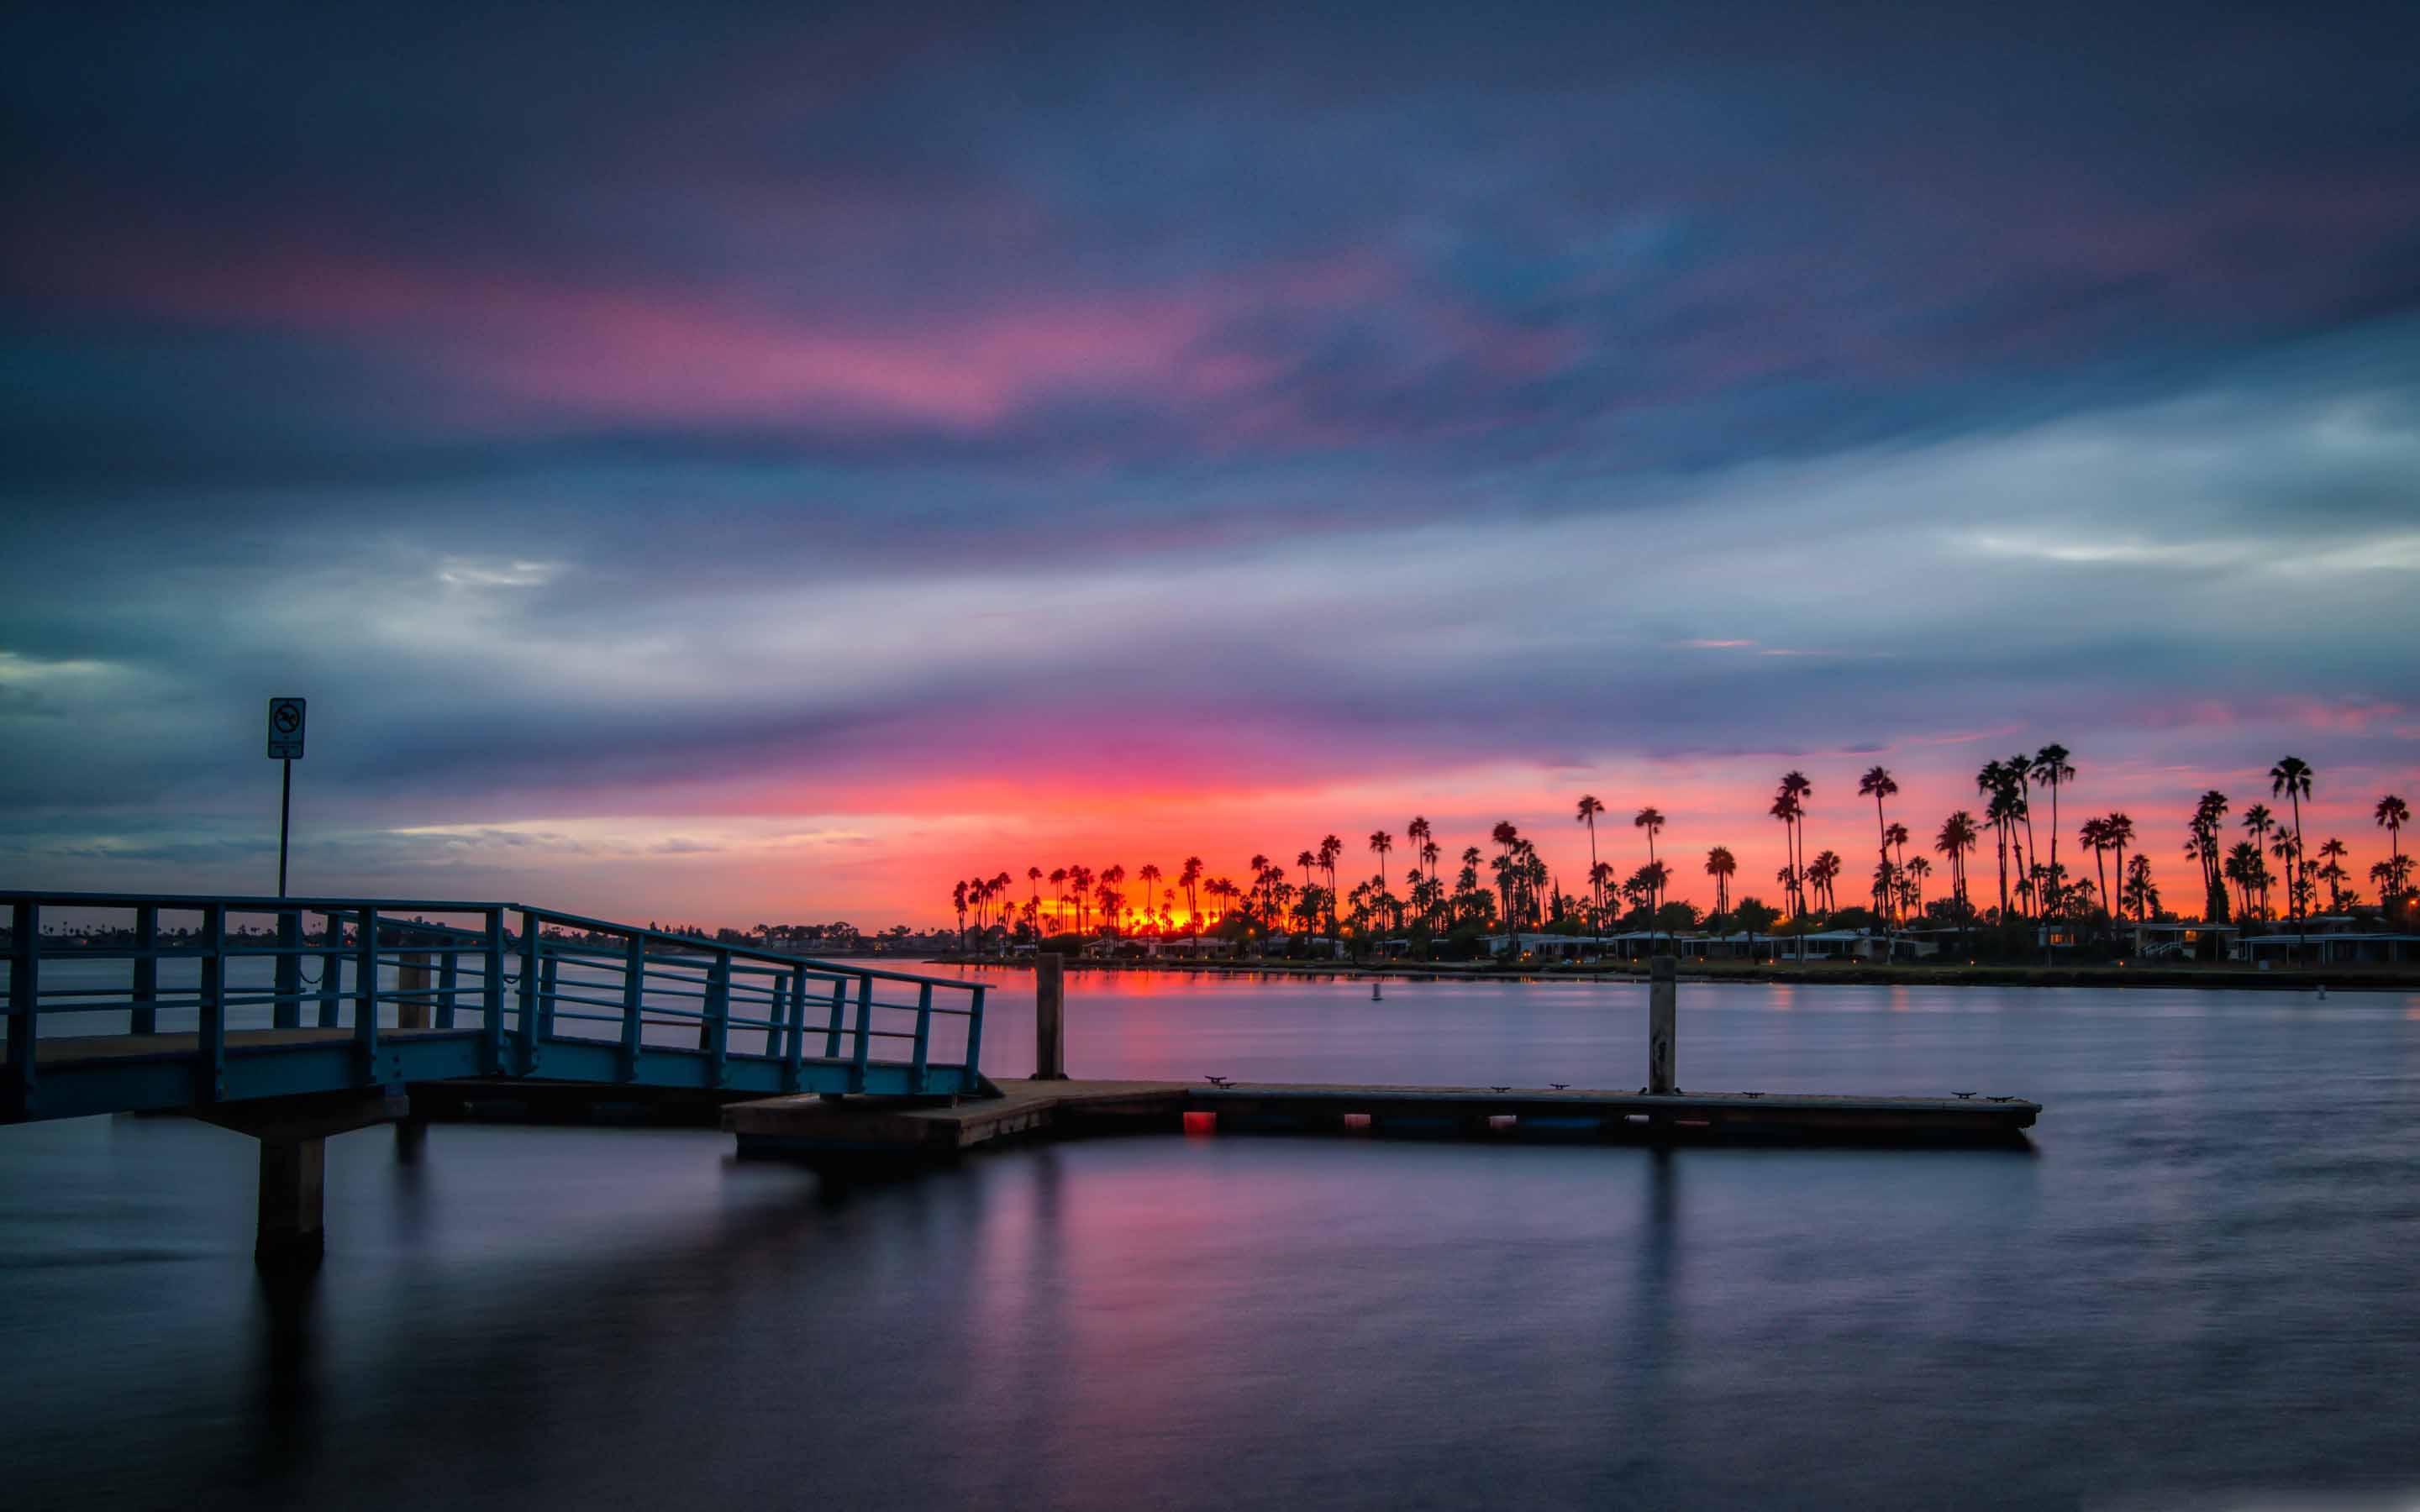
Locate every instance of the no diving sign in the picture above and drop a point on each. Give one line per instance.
(285, 729)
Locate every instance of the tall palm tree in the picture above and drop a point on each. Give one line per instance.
(1785, 808)
(1917, 872)
(1416, 839)
(2093, 834)
(2241, 866)
(1649, 819)
(1190, 878)
(2392, 814)
(1825, 873)
(959, 902)
(1879, 784)
(2291, 778)
(1797, 789)
(2259, 821)
(1380, 843)
(2120, 831)
(2211, 852)
(1034, 881)
(1149, 877)
(1957, 836)
(1587, 810)
(2051, 766)
(2140, 894)
(1331, 850)
(2334, 872)
(1999, 791)
(1059, 894)
(1722, 866)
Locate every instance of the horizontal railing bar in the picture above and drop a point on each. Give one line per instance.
(248, 903)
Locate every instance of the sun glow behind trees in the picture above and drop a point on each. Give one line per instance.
(1513, 880)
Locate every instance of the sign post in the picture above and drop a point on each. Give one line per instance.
(285, 745)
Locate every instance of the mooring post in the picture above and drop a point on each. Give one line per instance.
(1049, 1017)
(1663, 993)
(412, 992)
(293, 1192)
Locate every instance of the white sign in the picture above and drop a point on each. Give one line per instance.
(285, 729)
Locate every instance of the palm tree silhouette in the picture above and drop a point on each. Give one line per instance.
(2392, 814)
(2120, 831)
(2020, 767)
(1797, 789)
(1957, 836)
(2259, 821)
(1650, 820)
(2050, 766)
(1380, 843)
(1722, 866)
(1588, 810)
(1879, 784)
(1417, 835)
(2291, 778)
(1330, 850)
(2334, 872)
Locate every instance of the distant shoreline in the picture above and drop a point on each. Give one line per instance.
(1814, 973)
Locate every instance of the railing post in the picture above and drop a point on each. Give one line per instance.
(794, 1062)
(864, 1034)
(549, 974)
(529, 993)
(210, 1054)
(634, 1006)
(972, 1077)
(923, 1037)
(287, 1011)
(718, 1017)
(831, 1036)
(24, 994)
(146, 970)
(365, 992)
(493, 1031)
(332, 966)
(448, 975)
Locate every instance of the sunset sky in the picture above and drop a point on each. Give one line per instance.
(765, 469)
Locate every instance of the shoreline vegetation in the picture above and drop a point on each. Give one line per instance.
(2401, 977)
(2025, 914)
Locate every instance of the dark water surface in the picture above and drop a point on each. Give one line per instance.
(2201, 1287)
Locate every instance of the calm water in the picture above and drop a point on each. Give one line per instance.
(2201, 1287)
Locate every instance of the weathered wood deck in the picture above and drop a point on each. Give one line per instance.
(813, 1127)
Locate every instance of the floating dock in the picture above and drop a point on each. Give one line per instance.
(818, 1128)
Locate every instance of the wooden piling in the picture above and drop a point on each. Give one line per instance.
(1663, 993)
(1049, 1017)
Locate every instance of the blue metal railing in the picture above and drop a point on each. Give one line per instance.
(112, 983)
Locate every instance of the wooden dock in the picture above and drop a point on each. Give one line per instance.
(817, 1128)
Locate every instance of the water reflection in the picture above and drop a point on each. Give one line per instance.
(2184, 1289)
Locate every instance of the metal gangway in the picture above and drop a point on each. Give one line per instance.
(123, 1003)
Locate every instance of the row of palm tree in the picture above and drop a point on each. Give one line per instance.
(1519, 889)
